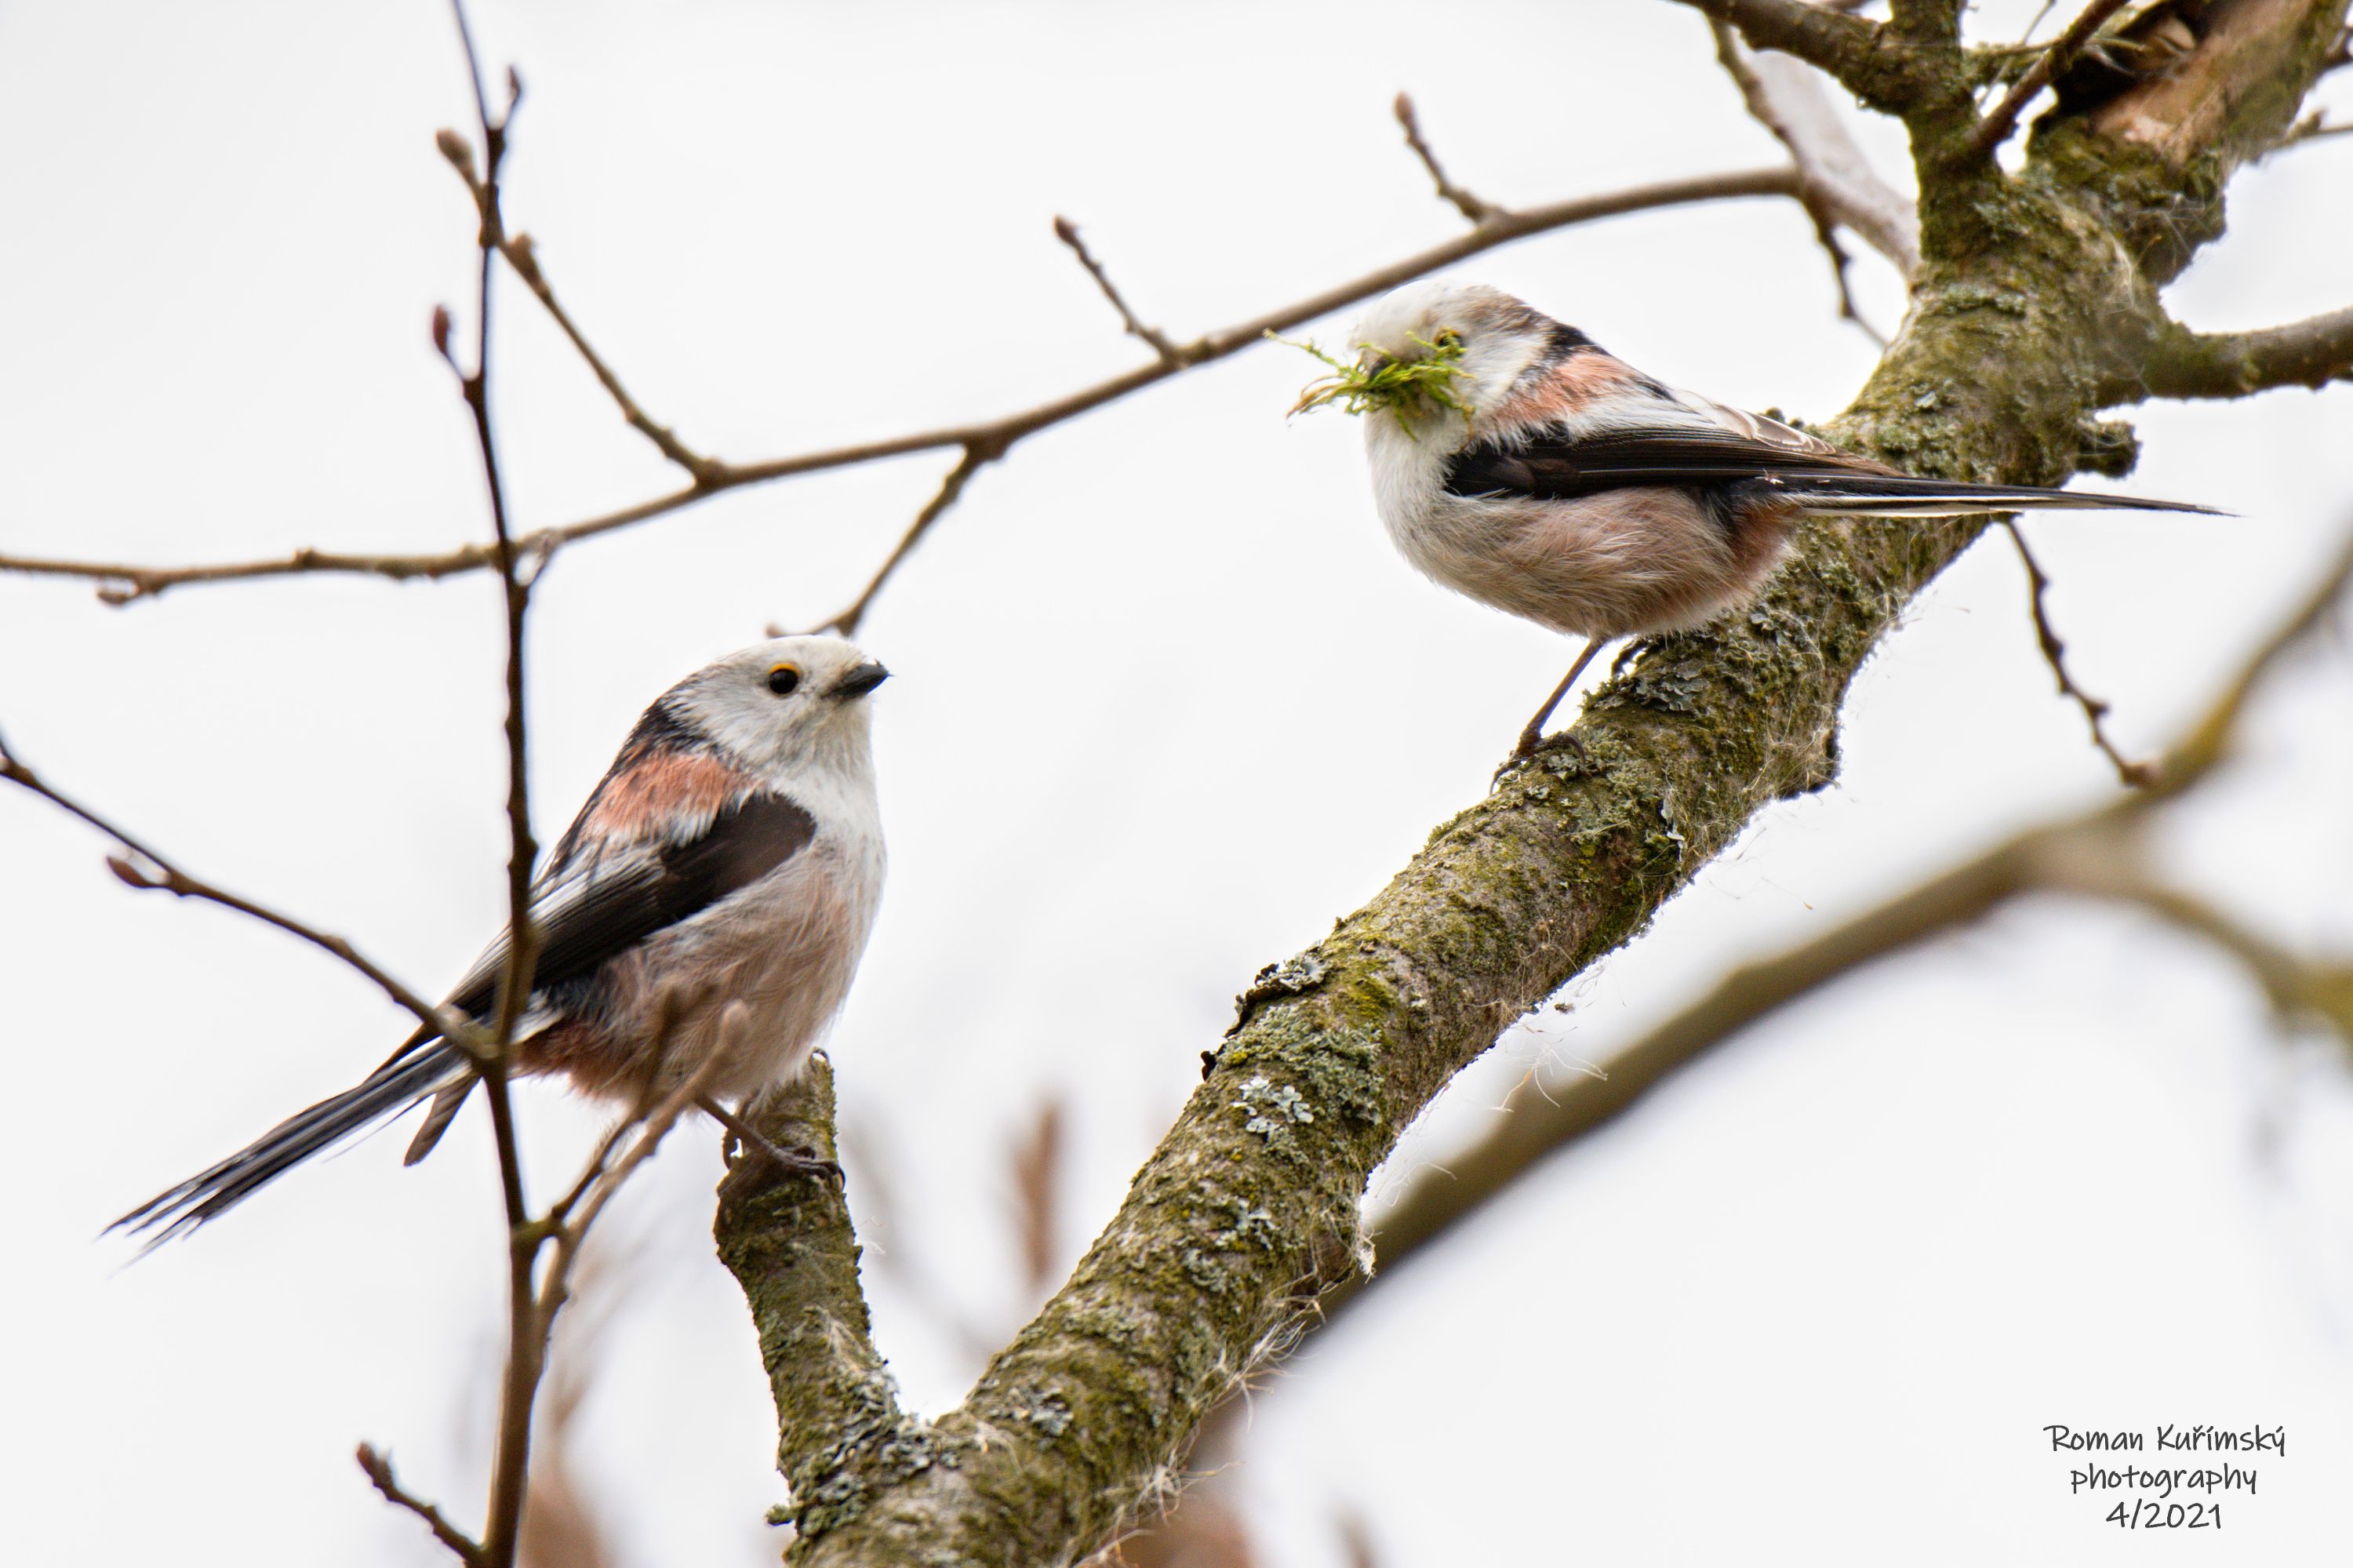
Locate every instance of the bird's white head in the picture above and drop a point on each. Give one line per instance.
(1479, 340)
(782, 706)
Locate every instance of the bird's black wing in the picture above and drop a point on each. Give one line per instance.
(1561, 463)
(595, 907)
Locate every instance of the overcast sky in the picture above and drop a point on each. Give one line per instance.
(1167, 704)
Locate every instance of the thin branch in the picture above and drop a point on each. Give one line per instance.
(1995, 129)
(846, 620)
(1836, 182)
(2139, 775)
(2184, 363)
(524, 259)
(1470, 207)
(2312, 127)
(527, 1346)
(378, 1466)
(1068, 233)
(1836, 177)
(123, 583)
(160, 874)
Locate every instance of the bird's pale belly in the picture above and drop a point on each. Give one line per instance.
(1618, 564)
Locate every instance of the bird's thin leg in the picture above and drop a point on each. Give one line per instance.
(792, 1162)
(1534, 735)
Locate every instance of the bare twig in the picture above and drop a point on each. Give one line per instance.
(1170, 353)
(124, 582)
(847, 620)
(1469, 205)
(1995, 129)
(526, 1348)
(378, 1466)
(1837, 182)
(2139, 775)
(521, 256)
(1037, 1164)
(158, 874)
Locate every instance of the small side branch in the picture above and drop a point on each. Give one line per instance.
(145, 869)
(1170, 353)
(786, 1237)
(2003, 119)
(2310, 353)
(1836, 184)
(1468, 204)
(951, 488)
(707, 471)
(1856, 51)
(378, 1466)
(2139, 775)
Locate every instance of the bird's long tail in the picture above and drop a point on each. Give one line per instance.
(389, 1090)
(1846, 493)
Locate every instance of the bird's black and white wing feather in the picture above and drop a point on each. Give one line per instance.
(665, 838)
(1657, 436)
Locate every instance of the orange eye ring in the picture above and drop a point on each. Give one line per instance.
(784, 679)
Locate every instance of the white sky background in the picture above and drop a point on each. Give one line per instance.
(1166, 703)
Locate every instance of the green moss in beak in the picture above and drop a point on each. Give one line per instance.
(1407, 388)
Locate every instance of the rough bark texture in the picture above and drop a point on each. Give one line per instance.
(2035, 291)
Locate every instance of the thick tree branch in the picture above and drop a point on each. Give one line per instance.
(2097, 853)
(1250, 1202)
(124, 582)
(2184, 363)
(1859, 53)
(786, 1237)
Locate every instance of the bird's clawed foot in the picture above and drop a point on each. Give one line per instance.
(1534, 743)
(745, 1141)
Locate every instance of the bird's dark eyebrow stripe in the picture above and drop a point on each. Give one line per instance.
(1561, 340)
(660, 727)
(744, 843)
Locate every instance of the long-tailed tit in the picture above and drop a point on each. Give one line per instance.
(1515, 461)
(724, 871)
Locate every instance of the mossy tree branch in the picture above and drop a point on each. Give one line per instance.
(2185, 363)
(2025, 303)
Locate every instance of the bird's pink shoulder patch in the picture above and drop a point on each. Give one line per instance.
(660, 788)
(1571, 386)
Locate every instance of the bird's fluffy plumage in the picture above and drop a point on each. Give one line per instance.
(733, 854)
(1572, 489)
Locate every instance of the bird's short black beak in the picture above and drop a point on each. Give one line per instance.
(861, 681)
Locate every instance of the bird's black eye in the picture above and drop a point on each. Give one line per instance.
(783, 679)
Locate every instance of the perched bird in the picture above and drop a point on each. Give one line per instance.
(727, 866)
(1515, 461)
